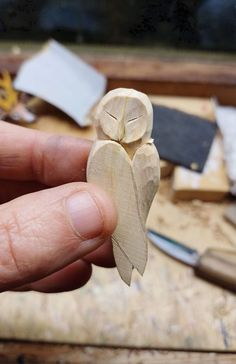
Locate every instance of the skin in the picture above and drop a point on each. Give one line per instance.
(39, 248)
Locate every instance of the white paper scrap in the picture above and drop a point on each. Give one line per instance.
(61, 78)
(226, 120)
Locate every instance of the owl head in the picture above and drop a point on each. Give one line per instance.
(125, 115)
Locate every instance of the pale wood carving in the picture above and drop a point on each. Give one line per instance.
(125, 162)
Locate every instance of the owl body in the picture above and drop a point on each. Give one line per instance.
(130, 175)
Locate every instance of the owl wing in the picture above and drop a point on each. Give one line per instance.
(146, 178)
(110, 167)
(124, 266)
(146, 171)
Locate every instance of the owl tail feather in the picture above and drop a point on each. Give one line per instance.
(124, 266)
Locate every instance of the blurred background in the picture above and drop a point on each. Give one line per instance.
(198, 24)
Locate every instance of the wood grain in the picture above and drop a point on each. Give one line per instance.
(219, 266)
(29, 353)
(166, 168)
(168, 308)
(158, 76)
(125, 163)
(211, 185)
(201, 107)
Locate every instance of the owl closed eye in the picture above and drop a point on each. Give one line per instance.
(125, 117)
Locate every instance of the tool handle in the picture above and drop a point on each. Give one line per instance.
(218, 266)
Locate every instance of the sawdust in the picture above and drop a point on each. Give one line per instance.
(178, 219)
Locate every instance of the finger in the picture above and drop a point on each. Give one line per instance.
(102, 256)
(12, 189)
(52, 160)
(76, 274)
(45, 231)
(71, 277)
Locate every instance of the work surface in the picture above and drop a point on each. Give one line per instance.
(168, 308)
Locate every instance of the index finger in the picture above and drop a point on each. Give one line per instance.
(29, 155)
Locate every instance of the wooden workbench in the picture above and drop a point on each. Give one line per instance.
(150, 70)
(41, 353)
(167, 309)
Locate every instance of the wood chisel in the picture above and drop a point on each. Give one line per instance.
(215, 265)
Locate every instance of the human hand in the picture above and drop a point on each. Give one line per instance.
(52, 227)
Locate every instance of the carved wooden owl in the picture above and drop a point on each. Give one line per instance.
(125, 162)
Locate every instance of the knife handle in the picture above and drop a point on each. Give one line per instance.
(219, 267)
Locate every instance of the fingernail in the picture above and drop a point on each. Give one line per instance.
(85, 216)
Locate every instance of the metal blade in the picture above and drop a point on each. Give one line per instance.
(173, 248)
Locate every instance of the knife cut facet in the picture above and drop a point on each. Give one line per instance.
(174, 249)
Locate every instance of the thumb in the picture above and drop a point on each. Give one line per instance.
(44, 231)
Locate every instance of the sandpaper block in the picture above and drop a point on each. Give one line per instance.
(182, 138)
(210, 185)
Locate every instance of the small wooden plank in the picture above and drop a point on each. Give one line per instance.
(29, 353)
(166, 168)
(210, 185)
(198, 106)
(202, 107)
(156, 75)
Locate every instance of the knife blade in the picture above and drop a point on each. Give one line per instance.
(215, 265)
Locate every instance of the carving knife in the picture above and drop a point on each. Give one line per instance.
(215, 265)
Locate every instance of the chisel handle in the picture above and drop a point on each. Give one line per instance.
(218, 266)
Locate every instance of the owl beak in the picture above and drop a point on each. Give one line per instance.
(121, 131)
